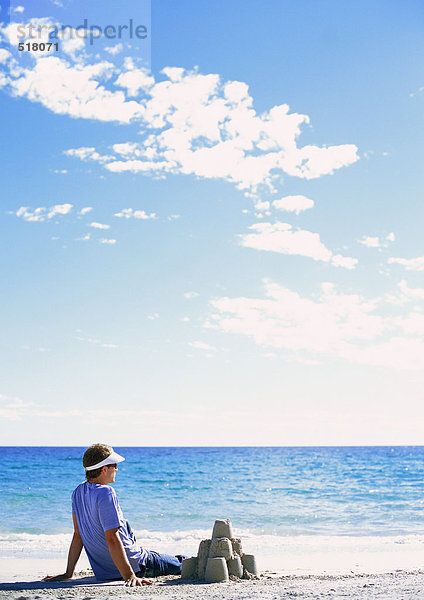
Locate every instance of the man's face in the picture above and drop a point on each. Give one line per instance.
(110, 473)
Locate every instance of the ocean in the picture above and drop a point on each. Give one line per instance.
(292, 504)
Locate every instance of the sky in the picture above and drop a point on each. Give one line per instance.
(211, 223)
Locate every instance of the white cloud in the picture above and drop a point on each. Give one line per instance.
(334, 324)
(72, 89)
(262, 205)
(113, 50)
(84, 238)
(59, 209)
(310, 162)
(18, 9)
(190, 295)
(28, 214)
(12, 407)
(411, 293)
(128, 213)
(85, 210)
(410, 264)
(109, 241)
(412, 324)
(344, 261)
(16, 32)
(206, 135)
(295, 204)
(71, 44)
(134, 80)
(4, 56)
(15, 409)
(203, 346)
(396, 353)
(190, 123)
(377, 242)
(420, 90)
(61, 171)
(136, 166)
(127, 149)
(85, 153)
(13, 402)
(405, 294)
(99, 225)
(280, 237)
(42, 213)
(370, 242)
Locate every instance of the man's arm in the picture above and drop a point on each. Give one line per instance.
(73, 556)
(120, 559)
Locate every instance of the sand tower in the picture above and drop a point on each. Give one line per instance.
(220, 558)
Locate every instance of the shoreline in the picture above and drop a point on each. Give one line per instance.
(27, 556)
(306, 567)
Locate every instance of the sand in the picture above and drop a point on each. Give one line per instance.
(296, 568)
(397, 585)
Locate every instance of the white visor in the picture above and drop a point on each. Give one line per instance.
(112, 459)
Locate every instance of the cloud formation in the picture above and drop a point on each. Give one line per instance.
(43, 213)
(113, 50)
(88, 153)
(85, 210)
(96, 225)
(130, 213)
(202, 346)
(411, 293)
(282, 238)
(15, 409)
(377, 242)
(410, 264)
(209, 128)
(190, 123)
(296, 204)
(333, 324)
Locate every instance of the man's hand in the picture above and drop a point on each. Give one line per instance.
(73, 556)
(62, 577)
(133, 581)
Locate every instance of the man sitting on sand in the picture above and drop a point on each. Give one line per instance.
(100, 527)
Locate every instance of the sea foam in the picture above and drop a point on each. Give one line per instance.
(283, 554)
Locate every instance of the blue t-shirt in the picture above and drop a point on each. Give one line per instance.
(97, 510)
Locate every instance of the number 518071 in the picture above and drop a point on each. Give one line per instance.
(38, 46)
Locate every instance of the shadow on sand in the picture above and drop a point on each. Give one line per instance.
(87, 582)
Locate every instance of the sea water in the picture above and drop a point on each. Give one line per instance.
(300, 506)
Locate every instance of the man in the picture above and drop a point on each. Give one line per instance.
(100, 527)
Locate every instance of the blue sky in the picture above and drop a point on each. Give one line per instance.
(213, 235)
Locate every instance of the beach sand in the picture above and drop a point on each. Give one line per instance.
(395, 585)
(304, 567)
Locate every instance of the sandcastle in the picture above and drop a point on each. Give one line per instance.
(220, 558)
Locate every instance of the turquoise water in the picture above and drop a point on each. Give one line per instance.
(356, 491)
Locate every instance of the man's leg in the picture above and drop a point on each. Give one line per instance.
(162, 564)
